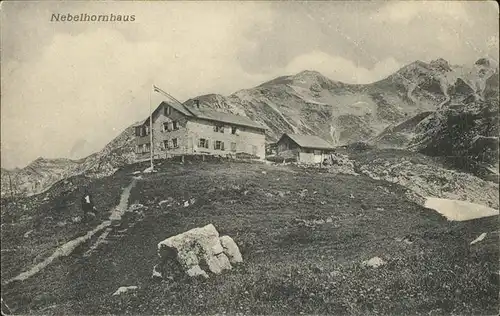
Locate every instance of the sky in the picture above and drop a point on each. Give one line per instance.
(68, 88)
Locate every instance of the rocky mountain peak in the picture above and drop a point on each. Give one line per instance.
(441, 64)
(486, 62)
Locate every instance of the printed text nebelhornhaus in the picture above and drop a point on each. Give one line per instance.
(84, 17)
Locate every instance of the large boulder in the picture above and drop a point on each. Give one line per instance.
(198, 252)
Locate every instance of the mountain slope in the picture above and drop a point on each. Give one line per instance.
(42, 173)
(310, 103)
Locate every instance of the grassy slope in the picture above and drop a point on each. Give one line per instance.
(50, 220)
(289, 267)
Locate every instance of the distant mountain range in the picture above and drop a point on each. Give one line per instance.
(411, 108)
(464, 127)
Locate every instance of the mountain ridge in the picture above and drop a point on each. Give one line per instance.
(305, 103)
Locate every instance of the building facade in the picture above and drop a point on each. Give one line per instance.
(180, 129)
(307, 149)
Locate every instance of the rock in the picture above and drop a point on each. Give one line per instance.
(186, 203)
(231, 250)
(28, 233)
(196, 271)
(124, 289)
(374, 262)
(168, 200)
(156, 273)
(76, 219)
(198, 251)
(135, 207)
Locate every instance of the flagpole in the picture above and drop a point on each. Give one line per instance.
(151, 130)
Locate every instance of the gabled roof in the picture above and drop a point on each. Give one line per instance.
(179, 107)
(205, 113)
(308, 141)
(212, 115)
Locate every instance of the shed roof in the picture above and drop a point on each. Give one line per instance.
(308, 141)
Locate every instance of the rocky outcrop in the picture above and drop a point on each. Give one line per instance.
(42, 173)
(430, 180)
(197, 252)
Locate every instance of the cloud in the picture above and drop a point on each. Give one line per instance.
(92, 85)
(341, 69)
(404, 12)
(67, 83)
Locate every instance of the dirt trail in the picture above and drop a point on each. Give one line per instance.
(71, 245)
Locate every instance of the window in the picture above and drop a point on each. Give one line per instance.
(203, 143)
(168, 110)
(146, 148)
(175, 125)
(233, 147)
(234, 130)
(165, 144)
(138, 131)
(137, 149)
(219, 145)
(165, 126)
(219, 128)
(175, 143)
(146, 130)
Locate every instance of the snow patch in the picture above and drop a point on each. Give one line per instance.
(478, 239)
(456, 210)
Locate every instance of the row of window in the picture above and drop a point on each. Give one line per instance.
(169, 144)
(217, 145)
(220, 129)
(174, 125)
(144, 148)
(142, 131)
(202, 143)
(170, 126)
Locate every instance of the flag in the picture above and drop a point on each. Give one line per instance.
(156, 89)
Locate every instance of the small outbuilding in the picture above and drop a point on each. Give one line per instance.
(304, 148)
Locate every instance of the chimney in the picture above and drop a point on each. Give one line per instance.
(197, 103)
